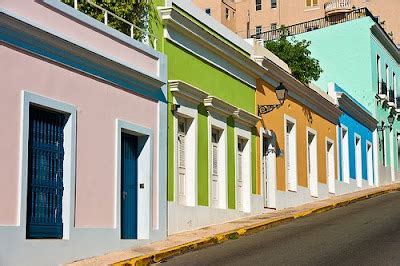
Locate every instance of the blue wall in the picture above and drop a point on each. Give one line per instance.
(354, 127)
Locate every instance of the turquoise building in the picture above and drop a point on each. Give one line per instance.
(356, 53)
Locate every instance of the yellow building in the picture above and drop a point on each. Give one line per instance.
(296, 146)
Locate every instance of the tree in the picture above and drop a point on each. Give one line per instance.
(137, 12)
(295, 53)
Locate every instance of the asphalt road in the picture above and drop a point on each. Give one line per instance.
(363, 233)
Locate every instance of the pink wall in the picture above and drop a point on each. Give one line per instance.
(37, 12)
(98, 106)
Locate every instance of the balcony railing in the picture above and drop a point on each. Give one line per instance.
(337, 6)
(315, 24)
(382, 88)
(110, 19)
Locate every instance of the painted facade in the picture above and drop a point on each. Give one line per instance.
(371, 80)
(355, 141)
(297, 153)
(211, 158)
(58, 64)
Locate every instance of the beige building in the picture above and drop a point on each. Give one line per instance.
(254, 16)
(223, 11)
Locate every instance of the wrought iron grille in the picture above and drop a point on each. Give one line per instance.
(45, 173)
(315, 24)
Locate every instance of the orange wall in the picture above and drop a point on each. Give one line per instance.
(305, 117)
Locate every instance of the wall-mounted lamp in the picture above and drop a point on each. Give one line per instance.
(390, 120)
(281, 94)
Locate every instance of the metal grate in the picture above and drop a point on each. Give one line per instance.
(45, 174)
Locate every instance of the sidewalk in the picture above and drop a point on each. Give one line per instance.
(182, 242)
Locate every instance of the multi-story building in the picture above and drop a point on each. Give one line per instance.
(356, 53)
(84, 136)
(223, 11)
(254, 16)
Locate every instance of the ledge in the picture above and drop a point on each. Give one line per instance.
(217, 105)
(186, 91)
(246, 118)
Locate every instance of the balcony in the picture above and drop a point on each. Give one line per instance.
(337, 7)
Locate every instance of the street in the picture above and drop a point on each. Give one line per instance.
(364, 233)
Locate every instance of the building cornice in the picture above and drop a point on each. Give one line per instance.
(302, 93)
(245, 117)
(25, 35)
(172, 17)
(356, 111)
(214, 104)
(382, 36)
(186, 91)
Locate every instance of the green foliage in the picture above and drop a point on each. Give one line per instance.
(296, 54)
(137, 12)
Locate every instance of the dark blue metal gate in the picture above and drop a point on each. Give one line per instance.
(129, 186)
(45, 174)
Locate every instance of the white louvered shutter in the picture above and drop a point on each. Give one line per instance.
(181, 158)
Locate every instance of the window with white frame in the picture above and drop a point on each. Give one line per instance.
(345, 155)
(312, 162)
(258, 30)
(273, 3)
(258, 5)
(358, 160)
(311, 3)
(387, 79)
(291, 154)
(379, 73)
(395, 87)
(208, 11)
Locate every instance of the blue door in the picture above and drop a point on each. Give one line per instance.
(128, 186)
(45, 174)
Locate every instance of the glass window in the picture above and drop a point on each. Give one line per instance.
(311, 3)
(226, 13)
(273, 3)
(208, 11)
(258, 5)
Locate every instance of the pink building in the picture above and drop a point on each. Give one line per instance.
(83, 147)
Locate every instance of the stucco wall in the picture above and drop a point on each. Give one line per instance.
(56, 21)
(354, 127)
(98, 106)
(305, 117)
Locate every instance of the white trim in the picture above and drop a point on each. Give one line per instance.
(345, 160)
(293, 186)
(145, 176)
(358, 159)
(187, 110)
(391, 143)
(215, 121)
(370, 163)
(268, 182)
(246, 167)
(376, 156)
(330, 179)
(68, 206)
(312, 178)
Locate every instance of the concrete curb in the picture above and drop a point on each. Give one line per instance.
(234, 234)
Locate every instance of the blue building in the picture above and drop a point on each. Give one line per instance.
(355, 142)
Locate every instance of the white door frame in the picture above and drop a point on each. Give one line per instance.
(358, 159)
(312, 162)
(291, 181)
(268, 179)
(330, 165)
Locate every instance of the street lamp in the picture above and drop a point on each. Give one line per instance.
(390, 120)
(281, 94)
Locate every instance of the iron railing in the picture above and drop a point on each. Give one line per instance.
(382, 88)
(337, 5)
(135, 32)
(315, 24)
